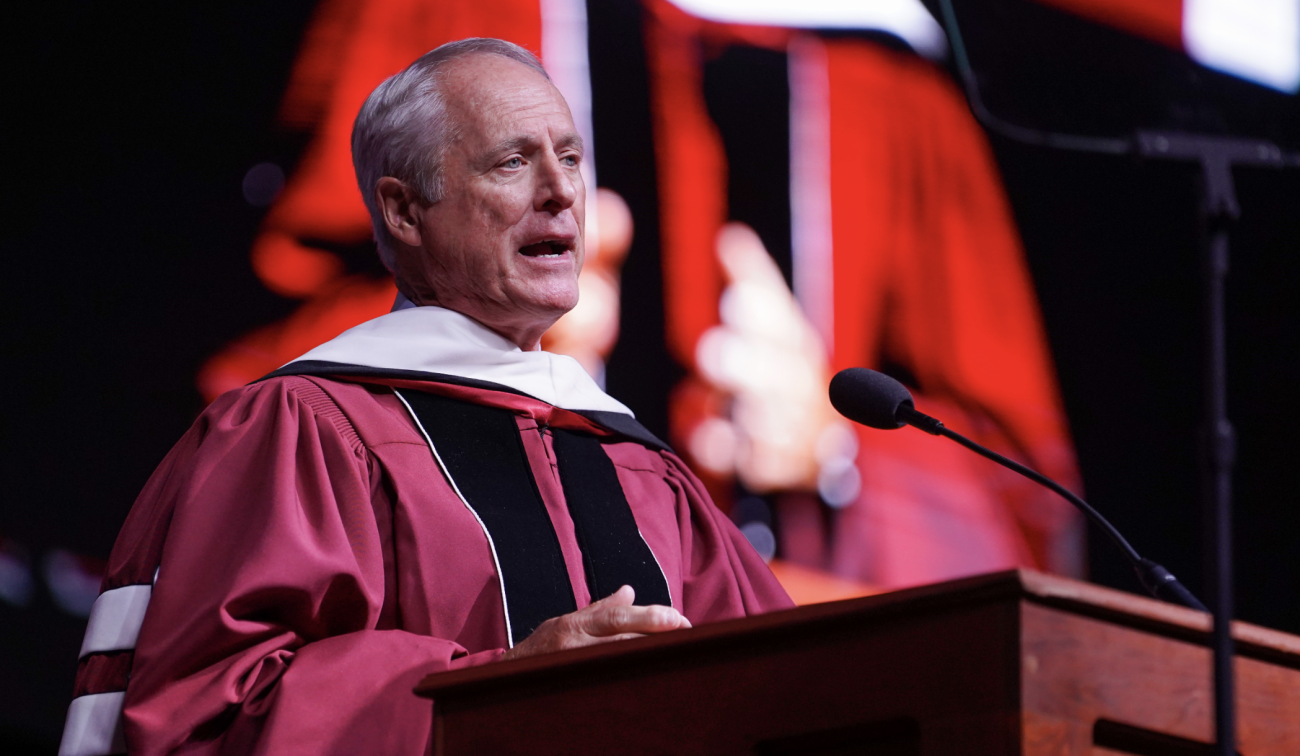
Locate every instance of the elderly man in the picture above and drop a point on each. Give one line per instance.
(425, 492)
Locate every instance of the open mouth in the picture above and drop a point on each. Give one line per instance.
(552, 248)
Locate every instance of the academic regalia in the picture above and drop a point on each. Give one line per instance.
(321, 540)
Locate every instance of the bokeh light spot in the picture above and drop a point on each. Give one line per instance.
(73, 580)
(262, 184)
(16, 584)
(761, 537)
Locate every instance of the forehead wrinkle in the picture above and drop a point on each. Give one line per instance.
(483, 105)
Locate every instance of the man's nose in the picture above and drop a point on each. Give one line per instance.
(557, 185)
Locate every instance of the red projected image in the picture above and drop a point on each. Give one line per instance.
(904, 254)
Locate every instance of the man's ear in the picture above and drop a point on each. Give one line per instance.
(400, 206)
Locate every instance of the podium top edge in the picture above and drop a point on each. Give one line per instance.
(1016, 585)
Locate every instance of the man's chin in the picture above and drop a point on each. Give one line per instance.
(528, 310)
(549, 309)
(547, 296)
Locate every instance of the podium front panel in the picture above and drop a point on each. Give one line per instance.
(1002, 664)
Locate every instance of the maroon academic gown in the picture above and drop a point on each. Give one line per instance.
(311, 563)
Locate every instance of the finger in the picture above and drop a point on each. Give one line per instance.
(682, 622)
(624, 596)
(612, 638)
(613, 620)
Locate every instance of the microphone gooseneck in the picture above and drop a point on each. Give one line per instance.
(875, 400)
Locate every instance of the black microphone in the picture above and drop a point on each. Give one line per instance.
(877, 401)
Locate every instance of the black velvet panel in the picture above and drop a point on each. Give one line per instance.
(485, 457)
(613, 552)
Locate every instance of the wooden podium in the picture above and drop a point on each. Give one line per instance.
(1008, 663)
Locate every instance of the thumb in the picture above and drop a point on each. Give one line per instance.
(624, 596)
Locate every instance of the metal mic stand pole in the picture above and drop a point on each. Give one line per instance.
(1216, 156)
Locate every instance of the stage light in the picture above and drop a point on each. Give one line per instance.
(1257, 40)
(907, 19)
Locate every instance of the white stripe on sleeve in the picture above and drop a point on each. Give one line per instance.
(115, 619)
(94, 726)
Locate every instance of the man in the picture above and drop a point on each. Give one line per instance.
(425, 492)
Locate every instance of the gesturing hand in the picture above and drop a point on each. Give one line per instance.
(610, 619)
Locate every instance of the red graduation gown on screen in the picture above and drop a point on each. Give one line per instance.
(313, 564)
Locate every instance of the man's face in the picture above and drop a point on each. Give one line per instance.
(504, 244)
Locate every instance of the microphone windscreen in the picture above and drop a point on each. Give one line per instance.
(870, 398)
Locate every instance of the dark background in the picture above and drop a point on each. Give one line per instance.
(128, 130)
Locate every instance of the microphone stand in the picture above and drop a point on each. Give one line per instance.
(1216, 156)
(1219, 209)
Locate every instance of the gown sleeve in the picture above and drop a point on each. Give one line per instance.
(722, 576)
(268, 631)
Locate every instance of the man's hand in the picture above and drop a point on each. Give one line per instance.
(610, 619)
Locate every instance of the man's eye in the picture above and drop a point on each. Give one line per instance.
(570, 159)
(513, 162)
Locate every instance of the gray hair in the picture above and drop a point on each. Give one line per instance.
(403, 128)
